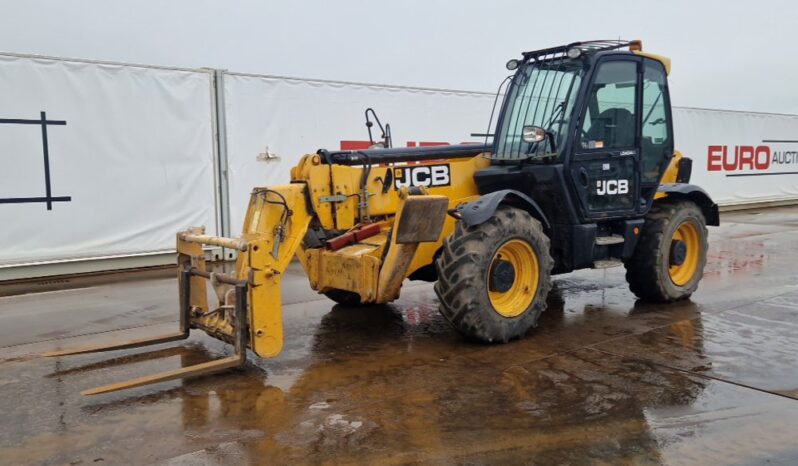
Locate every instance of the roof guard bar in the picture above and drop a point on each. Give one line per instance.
(591, 45)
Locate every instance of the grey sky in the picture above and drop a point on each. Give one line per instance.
(732, 54)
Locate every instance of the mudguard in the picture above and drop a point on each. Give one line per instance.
(696, 194)
(478, 211)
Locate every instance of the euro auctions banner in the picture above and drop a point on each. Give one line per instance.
(740, 157)
(101, 159)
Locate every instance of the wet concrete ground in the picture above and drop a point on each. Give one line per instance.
(602, 380)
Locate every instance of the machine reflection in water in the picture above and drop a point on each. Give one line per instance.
(358, 396)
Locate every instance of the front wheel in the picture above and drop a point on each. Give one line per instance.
(493, 278)
(670, 255)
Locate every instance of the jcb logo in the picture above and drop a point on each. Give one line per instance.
(610, 187)
(422, 175)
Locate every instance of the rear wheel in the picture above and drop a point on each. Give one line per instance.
(343, 297)
(670, 255)
(493, 278)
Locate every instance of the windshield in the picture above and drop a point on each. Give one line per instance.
(541, 94)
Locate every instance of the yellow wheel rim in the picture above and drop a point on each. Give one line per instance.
(682, 273)
(516, 299)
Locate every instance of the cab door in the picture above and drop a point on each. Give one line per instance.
(604, 165)
(656, 130)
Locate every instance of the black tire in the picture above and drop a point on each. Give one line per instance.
(344, 298)
(647, 271)
(464, 268)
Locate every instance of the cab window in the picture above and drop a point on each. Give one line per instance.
(656, 145)
(610, 118)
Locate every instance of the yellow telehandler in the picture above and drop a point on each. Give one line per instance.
(581, 173)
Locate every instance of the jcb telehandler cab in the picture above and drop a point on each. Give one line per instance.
(581, 173)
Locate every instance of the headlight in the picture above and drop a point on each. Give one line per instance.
(574, 52)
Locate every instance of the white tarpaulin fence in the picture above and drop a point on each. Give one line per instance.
(134, 161)
(129, 160)
(294, 117)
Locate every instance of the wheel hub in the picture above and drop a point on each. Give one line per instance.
(513, 278)
(678, 252)
(502, 276)
(685, 253)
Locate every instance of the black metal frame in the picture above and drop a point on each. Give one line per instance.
(48, 198)
(240, 339)
(589, 46)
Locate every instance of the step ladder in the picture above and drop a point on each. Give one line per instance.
(609, 240)
(607, 263)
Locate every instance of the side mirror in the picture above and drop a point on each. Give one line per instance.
(533, 134)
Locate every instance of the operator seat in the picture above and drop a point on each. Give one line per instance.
(614, 126)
